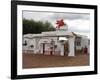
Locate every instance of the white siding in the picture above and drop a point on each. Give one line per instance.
(84, 42)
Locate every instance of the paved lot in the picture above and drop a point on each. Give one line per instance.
(39, 61)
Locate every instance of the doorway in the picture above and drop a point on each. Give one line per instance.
(43, 48)
(66, 49)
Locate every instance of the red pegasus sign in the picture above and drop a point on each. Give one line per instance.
(60, 23)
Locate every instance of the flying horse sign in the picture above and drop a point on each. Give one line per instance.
(61, 25)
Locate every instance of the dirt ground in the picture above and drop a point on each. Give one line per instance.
(42, 61)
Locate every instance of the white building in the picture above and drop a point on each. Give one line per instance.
(55, 43)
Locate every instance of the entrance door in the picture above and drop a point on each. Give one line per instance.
(43, 48)
(66, 48)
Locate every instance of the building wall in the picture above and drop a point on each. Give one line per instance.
(38, 48)
(84, 42)
(36, 42)
(29, 42)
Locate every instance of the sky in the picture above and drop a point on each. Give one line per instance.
(77, 22)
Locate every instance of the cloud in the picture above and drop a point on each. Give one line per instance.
(54, 15)
(78, 22)
(37, 15)
(70, 16)
(78, 25)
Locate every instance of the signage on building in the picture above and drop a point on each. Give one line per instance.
(61, 26)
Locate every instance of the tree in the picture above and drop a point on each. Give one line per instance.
(32, 26)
